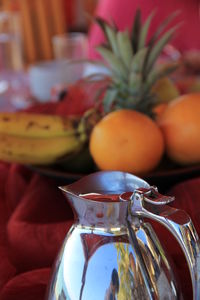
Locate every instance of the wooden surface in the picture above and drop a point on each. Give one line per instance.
(42, 19)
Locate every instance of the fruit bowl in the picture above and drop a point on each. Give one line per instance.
(164, 176)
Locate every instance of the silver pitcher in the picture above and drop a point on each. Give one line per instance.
(111, 253)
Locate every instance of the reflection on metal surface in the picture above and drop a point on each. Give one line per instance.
(110, 253)
(178, 223)
(108, 267)
(113, 288)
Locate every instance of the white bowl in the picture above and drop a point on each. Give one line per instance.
(43, 76)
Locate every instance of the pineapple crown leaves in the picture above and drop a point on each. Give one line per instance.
(131, 59)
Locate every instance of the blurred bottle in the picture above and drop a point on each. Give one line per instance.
(13, 80)
(71, 46)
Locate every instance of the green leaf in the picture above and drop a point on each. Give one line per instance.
(116, 64)
(164, 71)
(138, 61)
(144, 31)
(157, 49)
(109, 98)
(162, 26)
(125, 47)
(151, 79)
(156, 74)
(112, 39)
(135, 33)
(101, 22)
(132, 101)
(135, 81)
(154, 38)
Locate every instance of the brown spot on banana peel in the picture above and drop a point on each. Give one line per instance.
(7, 152)
(35, 124)
(6, 119)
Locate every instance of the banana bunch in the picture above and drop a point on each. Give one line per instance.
(38, 139)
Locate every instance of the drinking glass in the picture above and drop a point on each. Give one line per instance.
(72, 46)
(13, 82)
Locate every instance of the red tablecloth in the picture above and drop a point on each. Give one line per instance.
(122, 12)
(34, 219)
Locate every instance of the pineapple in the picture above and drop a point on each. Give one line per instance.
(131, 60)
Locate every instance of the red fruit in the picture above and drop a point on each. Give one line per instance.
(48, 108)
(80, 97)
(186, 84)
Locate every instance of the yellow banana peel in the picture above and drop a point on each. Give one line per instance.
(38, 150)
(37, 125)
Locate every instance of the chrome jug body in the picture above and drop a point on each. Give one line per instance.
(110, 252)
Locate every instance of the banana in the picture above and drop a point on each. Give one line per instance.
(37, 125)
(38, 150)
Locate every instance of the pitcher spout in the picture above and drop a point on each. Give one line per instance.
(95, 199)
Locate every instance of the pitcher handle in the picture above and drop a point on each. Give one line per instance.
(149, 203)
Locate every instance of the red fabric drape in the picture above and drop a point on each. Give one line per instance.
(68, 6)
(35, 217)
(122, 12)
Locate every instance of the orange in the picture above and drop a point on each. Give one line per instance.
(180, 124)
(128, 141)
(159, 109)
